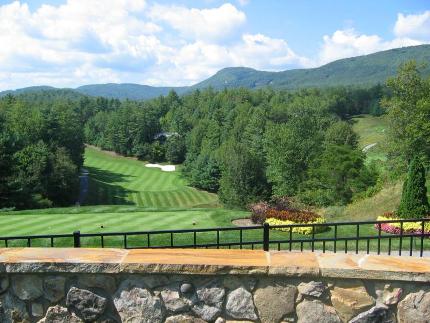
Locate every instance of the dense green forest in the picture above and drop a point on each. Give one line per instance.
(41, 152)
(246, 145)
(249, 145)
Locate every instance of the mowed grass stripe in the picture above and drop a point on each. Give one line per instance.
(199, 196)
(186, 198)
(170, 197)
(191, 198)
(138, 197)
(147, 199)
(176, 197)
(91, 221)
(41, 225)
(119, 180)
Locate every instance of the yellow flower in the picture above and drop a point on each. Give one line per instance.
(407, 226)
(301, 230)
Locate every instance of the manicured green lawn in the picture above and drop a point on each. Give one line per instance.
(126, 219)
(90, 220)
(371, 130)
(119, 180)
(145, 199)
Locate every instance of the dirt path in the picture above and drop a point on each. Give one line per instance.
(367, 147)
(83, 186)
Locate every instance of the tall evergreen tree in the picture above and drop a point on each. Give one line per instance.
(414, 202)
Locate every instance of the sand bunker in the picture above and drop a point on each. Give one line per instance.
(165, 168)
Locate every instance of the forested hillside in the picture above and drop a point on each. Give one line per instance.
(246, 145)
(355, 71)
(363, 71)
(127, 91)
(257, 145)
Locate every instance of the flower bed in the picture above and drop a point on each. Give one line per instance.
(289, 217)
(284, 212)
(297, 216)
(301, 230)
(394, 228)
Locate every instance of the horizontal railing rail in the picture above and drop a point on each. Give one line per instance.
(362, 236)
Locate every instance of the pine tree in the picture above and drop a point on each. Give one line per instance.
(414, 202)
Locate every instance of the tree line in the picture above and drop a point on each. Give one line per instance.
(42, 147)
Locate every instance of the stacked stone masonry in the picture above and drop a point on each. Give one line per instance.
(38, 285)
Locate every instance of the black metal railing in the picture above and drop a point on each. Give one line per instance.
(365, 236)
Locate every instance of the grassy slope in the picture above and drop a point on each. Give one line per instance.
(122, 180)
(124, 195)
(371, 131)
(119, 180)
(369, 208)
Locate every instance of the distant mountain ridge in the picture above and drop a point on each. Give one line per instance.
(364, 70)
(127, 90)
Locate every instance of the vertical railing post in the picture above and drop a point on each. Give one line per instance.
(379, 238)
(266, 228)
(77, 239)
(422, 238)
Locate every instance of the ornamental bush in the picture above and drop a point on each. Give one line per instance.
(296, 216)
(288, 217)
(414, 202)
(258, 212)
(301, 230)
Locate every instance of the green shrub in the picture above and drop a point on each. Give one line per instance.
(414, 202)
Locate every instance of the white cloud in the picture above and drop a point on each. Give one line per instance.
(202, 24)
(68, 45)
(415, 26)
(409, 30)
(243, 2)
(196, 61)
(87, 41)
(348, 43)
(262, 52)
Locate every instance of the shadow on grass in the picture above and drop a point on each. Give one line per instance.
(106, 176)
(103, 188)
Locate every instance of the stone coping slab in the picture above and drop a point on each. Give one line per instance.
(210, 261)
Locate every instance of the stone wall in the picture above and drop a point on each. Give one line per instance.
(191, 298)
(48, 285)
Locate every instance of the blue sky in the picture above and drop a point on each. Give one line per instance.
(166, 42)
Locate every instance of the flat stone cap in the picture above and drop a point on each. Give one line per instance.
(213, 261)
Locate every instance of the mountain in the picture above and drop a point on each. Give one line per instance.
(30, 89)
(41, 94)
(127, 90)
(361, 70)
(355, 71)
